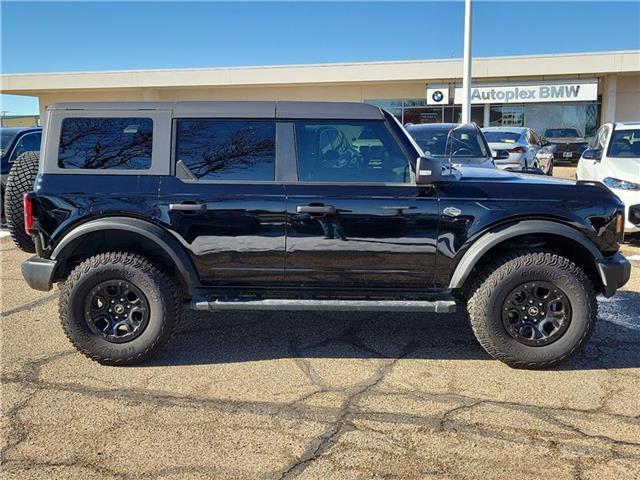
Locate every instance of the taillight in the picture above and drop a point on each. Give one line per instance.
(29, 219)
(517, 150)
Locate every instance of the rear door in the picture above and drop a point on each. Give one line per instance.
(224, 202)
(355, 218)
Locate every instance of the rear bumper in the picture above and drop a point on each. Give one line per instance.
(38, 272)
(615, 271)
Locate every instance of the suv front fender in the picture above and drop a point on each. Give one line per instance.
(526, 227)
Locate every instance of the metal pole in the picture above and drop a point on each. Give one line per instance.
(466, 74)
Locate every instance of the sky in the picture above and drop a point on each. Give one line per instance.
(80, 36)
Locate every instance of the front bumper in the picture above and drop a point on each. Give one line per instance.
(38, 272)
(615, 271)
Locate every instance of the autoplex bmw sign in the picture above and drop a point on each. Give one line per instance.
(535, 92)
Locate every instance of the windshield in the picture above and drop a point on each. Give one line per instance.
(625, 144)
(501, 137)
(7, 136)
(561, 133)
(464, 142)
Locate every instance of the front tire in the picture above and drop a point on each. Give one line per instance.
(532, 309)
(118, 308)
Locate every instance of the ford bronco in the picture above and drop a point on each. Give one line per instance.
(140, 210)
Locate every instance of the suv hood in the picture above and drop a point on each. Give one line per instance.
(475, 174)
(623, 169)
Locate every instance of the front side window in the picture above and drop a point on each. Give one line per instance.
(227, 149)
(350, 152)
(106, 143)
(625, 144)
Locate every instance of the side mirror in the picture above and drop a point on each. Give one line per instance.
(500, 154)
(592, 154)
(428, 170)
(545, 142)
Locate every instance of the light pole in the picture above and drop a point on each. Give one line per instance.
(466, 73)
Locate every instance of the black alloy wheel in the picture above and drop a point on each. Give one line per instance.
(117, 310)
(536, 313)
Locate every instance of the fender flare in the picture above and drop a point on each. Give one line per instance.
(162, 238)
(525, 227)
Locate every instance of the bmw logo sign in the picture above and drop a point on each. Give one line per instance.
(437, 96)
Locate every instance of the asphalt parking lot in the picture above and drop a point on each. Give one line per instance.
(315, 395)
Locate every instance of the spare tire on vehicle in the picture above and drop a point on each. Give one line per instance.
(21, 180)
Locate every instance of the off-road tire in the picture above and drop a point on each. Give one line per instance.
(494, 282)
(21, 180)
(160, 290)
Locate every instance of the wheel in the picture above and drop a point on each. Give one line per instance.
(118, 308)
(20, 181)
(532, 309)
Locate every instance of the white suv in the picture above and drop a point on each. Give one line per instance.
(613, 158)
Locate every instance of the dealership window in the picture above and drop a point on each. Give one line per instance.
(106, 143)
(227, 149)
(538, 116)
(349, 151)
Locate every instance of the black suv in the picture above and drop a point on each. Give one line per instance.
(14, 141)
(141, 209)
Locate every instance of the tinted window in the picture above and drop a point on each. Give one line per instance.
(29, 142)
(227, 149)
(106, 143)
(463, 142)
(561, 132)
(349, 151)
(501, 137)
(625, 144)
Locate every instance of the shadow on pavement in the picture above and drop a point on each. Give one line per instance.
(231, 337)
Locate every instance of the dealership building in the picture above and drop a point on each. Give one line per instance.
(540, 91)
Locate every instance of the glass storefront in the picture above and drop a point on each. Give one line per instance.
(539, 116)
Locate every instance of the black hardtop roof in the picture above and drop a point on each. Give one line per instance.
(240, 109)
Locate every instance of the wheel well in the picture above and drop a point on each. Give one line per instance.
(558, 244)
(102, 241)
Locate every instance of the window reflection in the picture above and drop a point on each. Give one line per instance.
(106, 143)
(227, 149)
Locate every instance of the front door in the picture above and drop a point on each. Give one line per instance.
(355, 218)
(224, 203)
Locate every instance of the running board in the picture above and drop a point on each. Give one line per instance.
(438, 306)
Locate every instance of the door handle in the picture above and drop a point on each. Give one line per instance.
(316, 209)
(187, 207)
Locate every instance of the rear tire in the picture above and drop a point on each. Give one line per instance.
(21, 180)
(490, 307)
(91, 316)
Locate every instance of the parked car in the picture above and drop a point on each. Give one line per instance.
(526, 149)
(13, 143)
(614, 159)
(143, 209)
(463, 143)
(569, 143)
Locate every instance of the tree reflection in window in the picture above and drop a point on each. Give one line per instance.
(106, 143)
(227, 149)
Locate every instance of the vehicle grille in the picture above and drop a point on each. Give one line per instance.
(634, 214)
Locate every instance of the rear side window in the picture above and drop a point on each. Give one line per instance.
(227, 149)
(106, 143)
(349, 151)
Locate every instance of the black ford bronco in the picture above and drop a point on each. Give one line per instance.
(142, 209)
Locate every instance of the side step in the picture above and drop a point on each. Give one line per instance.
(438, 306)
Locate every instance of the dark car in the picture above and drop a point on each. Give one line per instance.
(143, 209)
(568, 141)
(464, 144)
(14, 142)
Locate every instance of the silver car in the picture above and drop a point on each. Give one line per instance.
(464, 143)
(526, 149)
